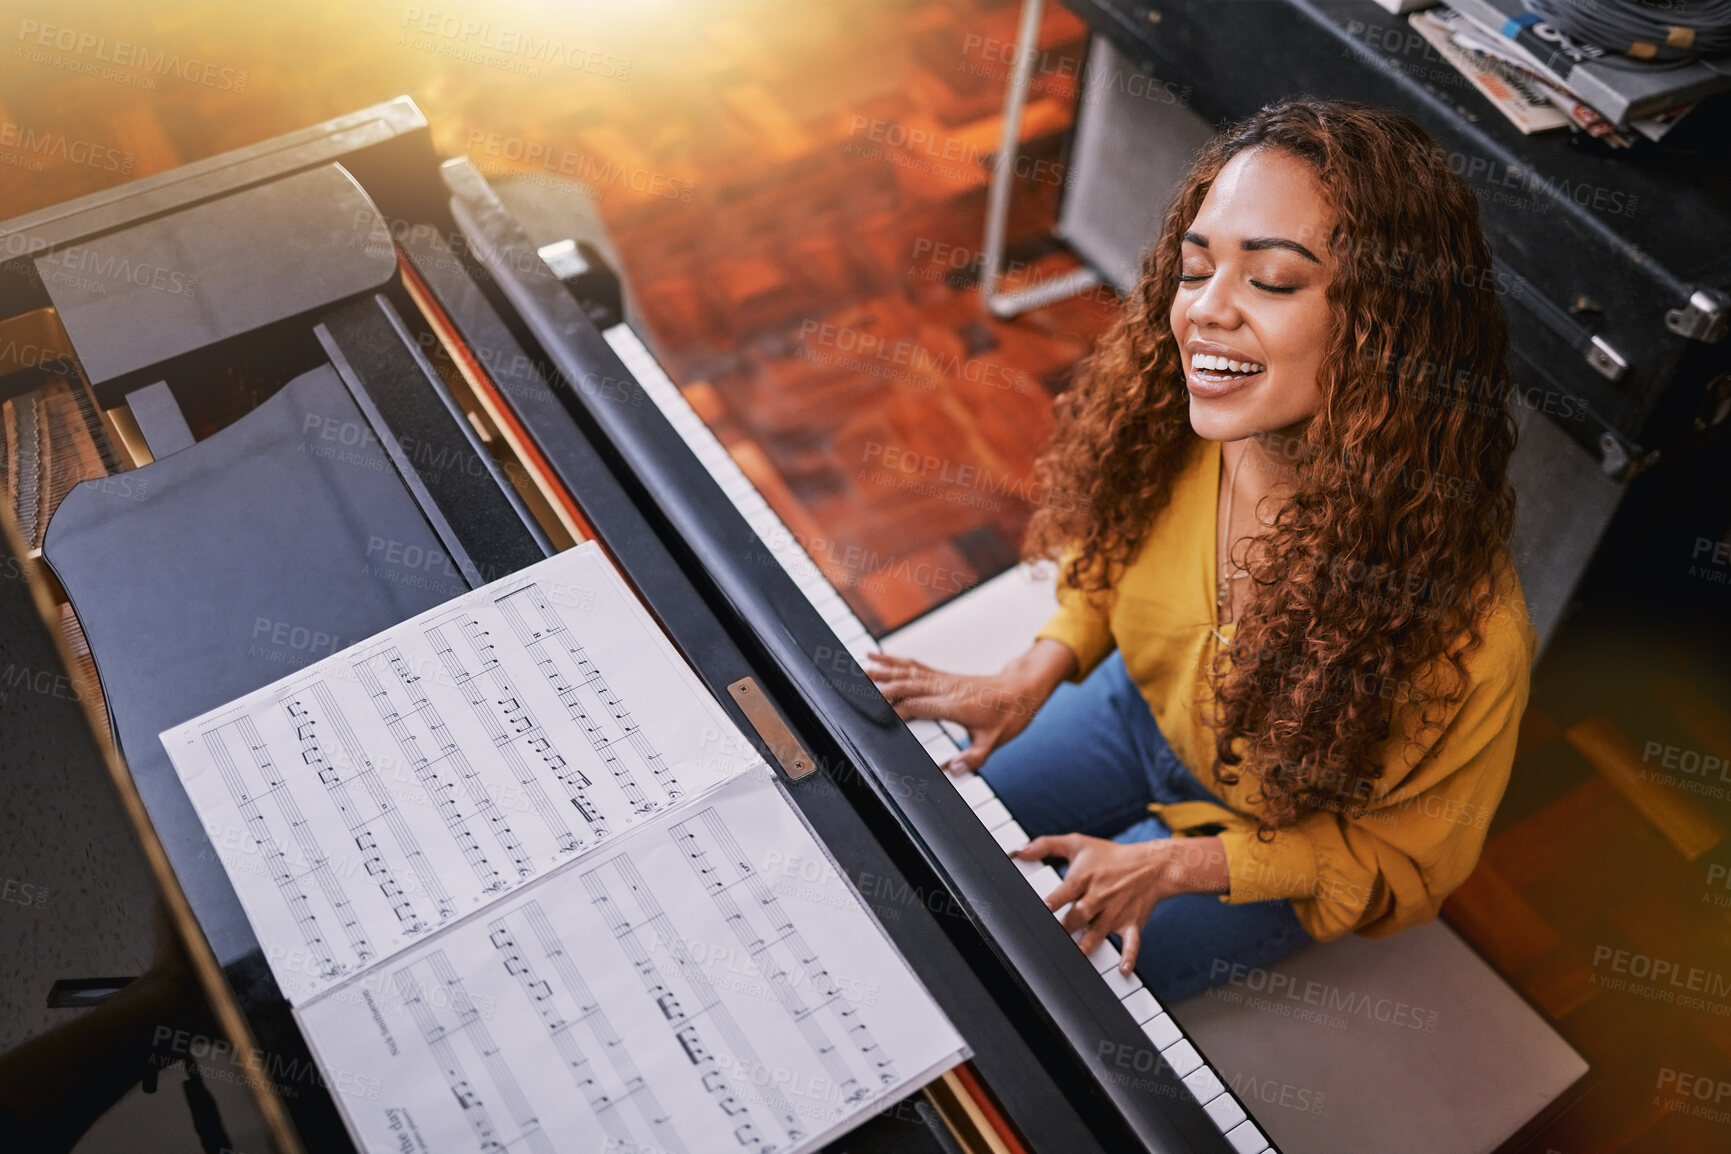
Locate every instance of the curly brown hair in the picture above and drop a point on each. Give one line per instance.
(1403, 470)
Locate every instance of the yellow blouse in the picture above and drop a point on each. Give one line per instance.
(1421, 830)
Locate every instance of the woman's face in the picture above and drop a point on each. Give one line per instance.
(1251, 314)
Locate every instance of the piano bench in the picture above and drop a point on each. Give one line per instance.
(1410, 1043)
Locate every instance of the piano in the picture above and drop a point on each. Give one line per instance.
(287, 396)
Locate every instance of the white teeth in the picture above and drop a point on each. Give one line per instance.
(1221, 364)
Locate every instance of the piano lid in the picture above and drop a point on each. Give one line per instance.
(141, 295)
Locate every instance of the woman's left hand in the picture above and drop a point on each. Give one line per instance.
(1112, 888)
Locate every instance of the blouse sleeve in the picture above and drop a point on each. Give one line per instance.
(1083, 622)
(1391, 866)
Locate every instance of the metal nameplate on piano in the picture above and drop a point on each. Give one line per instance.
(139, 296)
(766, 719)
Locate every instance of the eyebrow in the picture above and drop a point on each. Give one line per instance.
(1260, 244)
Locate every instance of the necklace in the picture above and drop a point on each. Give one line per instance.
(1223, 584)
(1223, 588)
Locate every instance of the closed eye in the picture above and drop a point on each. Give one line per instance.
(1276, 288)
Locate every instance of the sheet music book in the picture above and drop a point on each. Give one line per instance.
(526, 886)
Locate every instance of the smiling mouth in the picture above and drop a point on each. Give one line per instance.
(1220, 370)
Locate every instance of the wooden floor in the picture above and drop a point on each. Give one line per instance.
(810, 188)
(797, 192)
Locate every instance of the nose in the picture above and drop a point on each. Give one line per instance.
(1216, 306)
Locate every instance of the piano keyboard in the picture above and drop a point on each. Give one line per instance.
(1161, 1028)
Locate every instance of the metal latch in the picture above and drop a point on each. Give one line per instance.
(1619, 464)
(1607, 360)
(766, 719)
(1706, 318)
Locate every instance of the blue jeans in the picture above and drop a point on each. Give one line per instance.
(1090, 762)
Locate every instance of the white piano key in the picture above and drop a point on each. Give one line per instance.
(1205, 1084)
(938, 748)
(825, 599)
(1162, 1031)
(992, 813)
(804, 571)
(973, 789)
(838, 616)
(923, 728)
(1044, 878)
(1142, 1005)
(1181, 1055)
(755, 508)
(1121, 985)
(860, 639)
(1246, 1138)
(1104, 957)
(1224, 1111)
(1010, 836)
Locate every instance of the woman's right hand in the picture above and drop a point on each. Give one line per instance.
(993, 708)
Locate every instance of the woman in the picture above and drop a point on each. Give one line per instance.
(1289, 631)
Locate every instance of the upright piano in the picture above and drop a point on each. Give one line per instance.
(267, 404)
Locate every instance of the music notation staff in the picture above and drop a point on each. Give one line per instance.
(432, 962)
